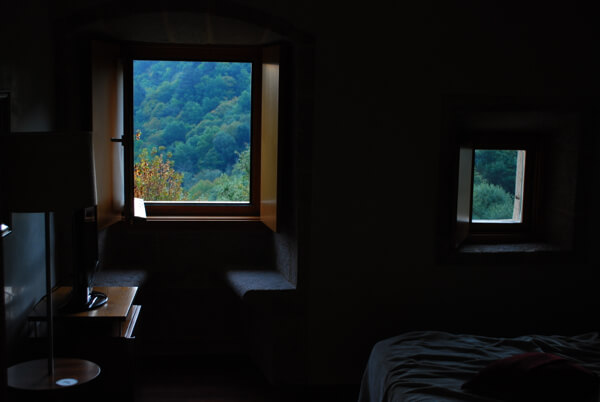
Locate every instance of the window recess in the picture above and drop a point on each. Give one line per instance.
(515, 176)
(498, 189)
(200, 131)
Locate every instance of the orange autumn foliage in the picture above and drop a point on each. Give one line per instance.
(154, 177)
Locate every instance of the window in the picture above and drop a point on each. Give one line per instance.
(498, 178)
(497, 189)
(195, 127)
(514, 179)
(201, 128)
(196, 117)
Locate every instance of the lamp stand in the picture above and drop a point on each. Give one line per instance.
(52, 373)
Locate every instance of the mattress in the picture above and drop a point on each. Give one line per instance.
(433, 365)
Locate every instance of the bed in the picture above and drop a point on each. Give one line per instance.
(435, 365)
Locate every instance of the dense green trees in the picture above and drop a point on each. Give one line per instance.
(494, 184)
(196, 116)
(234, 187)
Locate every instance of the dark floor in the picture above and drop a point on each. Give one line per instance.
(191, 379)
(222, 379)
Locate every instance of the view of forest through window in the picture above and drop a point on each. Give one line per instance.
(192, 130)
(496, 181)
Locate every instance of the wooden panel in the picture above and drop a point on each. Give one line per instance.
(518, 205)
(269, 137)
(4, 129)
(465, 190)
(117, 307)
(107, 123)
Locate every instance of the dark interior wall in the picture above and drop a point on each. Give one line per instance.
(26, 71)
(382, 74)
(27, 66)
(367, 263)
(24, 278)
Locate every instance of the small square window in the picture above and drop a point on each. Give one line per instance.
(497, 192)
(513, 169)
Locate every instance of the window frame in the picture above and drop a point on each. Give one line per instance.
(209, 53)
(501, 232)
(560, 128)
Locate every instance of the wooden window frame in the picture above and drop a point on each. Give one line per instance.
(210, 53)
(5, 215)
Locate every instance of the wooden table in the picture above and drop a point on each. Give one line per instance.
(104, 336)
(116, 318)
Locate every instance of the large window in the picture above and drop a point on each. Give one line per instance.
(192, 131)
(201, 129)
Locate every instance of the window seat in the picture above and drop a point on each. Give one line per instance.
(251, 284)
(273, 321)
(120, 277)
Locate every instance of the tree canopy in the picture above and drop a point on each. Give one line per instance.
(494, 184)
(196, 118)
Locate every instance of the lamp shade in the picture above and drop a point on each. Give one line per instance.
(47, 171)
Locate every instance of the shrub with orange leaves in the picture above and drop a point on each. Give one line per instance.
(154, 177)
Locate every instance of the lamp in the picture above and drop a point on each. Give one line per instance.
(49, 172)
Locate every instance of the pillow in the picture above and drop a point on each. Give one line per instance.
(535, 377)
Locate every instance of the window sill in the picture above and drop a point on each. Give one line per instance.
(177, 218)
(532, 252)
(508, 248)
(234, 223)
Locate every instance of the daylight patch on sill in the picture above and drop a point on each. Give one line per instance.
(508, 248)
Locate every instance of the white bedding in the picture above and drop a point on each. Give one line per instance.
(433, 365)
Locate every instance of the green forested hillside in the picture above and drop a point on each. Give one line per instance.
(494, 183)
(197, 116)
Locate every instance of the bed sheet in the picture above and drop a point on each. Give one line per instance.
(432, 365)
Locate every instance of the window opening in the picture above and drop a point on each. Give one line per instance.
(192, 131)
(498, 180)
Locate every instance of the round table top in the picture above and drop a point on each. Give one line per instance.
(33, 374)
